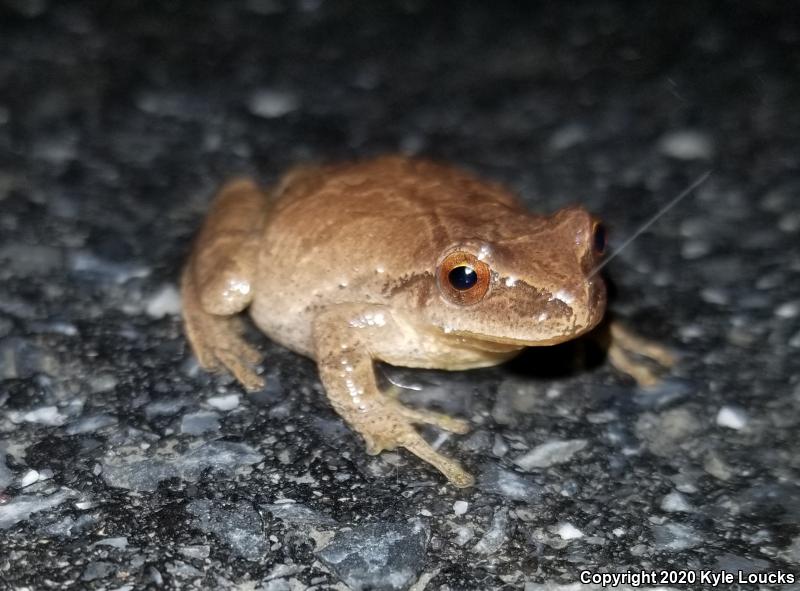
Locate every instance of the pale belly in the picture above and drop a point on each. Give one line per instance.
(396, 343)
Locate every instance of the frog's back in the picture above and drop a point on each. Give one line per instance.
(384, 198)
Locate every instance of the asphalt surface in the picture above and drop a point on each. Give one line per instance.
(122, 466)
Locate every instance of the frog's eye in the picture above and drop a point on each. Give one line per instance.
(463, 279)
(599, 238)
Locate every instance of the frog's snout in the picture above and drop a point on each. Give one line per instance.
(597, 300)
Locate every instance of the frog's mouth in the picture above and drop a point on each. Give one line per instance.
(558, 334)
(506, 344)
(563, 317)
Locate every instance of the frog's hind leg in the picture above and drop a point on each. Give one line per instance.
(624, 344)
(216, 284)
(216, 340)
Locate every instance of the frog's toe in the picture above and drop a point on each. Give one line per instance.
(250, 354)
(461, 479)
(452, 470)
(660, 354)
(250, 380)
(639, 371)
(378, 443)
(234, 341)
(653, 351)
(644, 376)
(437, 419)
(631, 342)
(243, 372)
(206, 358)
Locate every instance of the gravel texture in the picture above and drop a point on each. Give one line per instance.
(122, 466)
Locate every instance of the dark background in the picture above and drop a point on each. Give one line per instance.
(117, 123)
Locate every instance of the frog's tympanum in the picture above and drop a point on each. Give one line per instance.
(398, 260)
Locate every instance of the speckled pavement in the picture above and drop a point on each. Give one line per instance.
(122, 466)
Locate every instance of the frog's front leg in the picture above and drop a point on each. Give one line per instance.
(217, 282)
(344, 337)
(624, 343)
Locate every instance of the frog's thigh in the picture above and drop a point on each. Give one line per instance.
(217, 281)
(342, 350)
(225, 256)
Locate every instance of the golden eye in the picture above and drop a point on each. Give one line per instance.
(463, 279)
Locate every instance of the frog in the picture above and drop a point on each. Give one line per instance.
(399, 260)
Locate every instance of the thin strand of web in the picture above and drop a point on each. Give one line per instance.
(686, 192)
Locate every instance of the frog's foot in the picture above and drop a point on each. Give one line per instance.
(346, 367)
(388, 426)
(624, 362)
(625, 345)
(217, 341)
(630, 341)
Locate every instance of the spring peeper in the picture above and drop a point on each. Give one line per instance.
(399, 260)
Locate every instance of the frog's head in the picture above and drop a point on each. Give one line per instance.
(528, 282)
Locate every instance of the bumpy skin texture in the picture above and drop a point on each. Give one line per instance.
(343, 264)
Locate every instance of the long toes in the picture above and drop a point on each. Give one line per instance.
(395, 430)
(633, 343)
(643, 375)
(244, 373)
(250, 354)
(252, 381)
(452, 470)
(459, 426)
(461, 478)
(236, 342)
(646, 378)
(206, 359)
(640, 372)
(437, 419)
(661, 355)
(203, 351)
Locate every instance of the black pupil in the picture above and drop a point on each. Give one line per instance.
(600, 238)
(463, 277)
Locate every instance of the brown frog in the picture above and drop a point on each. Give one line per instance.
(399, 260)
